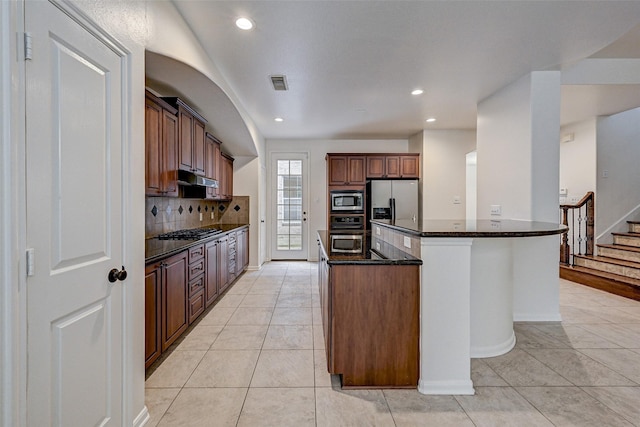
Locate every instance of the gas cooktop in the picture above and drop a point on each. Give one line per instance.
(189, 234)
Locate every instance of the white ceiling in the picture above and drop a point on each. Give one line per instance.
(351, 65)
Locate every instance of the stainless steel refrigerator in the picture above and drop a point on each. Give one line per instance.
(393, 199)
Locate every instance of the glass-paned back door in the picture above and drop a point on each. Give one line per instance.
(289, 234)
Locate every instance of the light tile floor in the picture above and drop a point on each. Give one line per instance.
(257, 359)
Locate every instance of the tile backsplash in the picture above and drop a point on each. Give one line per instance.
(164, 214)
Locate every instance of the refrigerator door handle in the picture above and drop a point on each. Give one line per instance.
(392, 202)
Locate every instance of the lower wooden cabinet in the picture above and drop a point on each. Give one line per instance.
(370, 319)
(223, 263)
(179, 288)
(152, 318)
(175, 318)
(232, 256)
(211, 282)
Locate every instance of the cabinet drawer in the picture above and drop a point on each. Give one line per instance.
(196, 253)
(196, 285)
(196, 306)
(196, 268)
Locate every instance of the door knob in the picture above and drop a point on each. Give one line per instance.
(114, 274)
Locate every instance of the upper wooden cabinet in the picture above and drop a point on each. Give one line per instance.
(225, 190)
(393, 166)
(410, 166)
(346, 169)
(191, 137)
(161, 144)
(212, 156)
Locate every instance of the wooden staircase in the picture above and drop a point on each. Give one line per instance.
(615, 269)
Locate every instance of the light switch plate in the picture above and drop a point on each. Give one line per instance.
(407, 242)
(378, 231)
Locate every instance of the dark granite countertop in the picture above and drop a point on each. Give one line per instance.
(474, 228)
(386, 254)
(156, 249)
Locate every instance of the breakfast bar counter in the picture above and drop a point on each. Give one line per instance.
(477, 277)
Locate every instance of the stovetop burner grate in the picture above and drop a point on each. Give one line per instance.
(188, 234)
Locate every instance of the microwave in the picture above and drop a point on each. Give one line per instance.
(347, 243)
(347, 201)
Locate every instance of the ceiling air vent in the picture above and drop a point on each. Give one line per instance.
(279, 82)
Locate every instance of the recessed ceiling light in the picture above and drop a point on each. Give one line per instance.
(244, 23)
(417, 92)
(279, 119)
(431, 119)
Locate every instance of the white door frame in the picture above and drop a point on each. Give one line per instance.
(13, 303)
(270, 195)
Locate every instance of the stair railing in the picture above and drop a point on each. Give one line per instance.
(578, 239)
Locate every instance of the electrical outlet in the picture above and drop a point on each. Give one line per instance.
(378, 231)
(457, 200)
(495, 225)
(200, 216)
(212, 216)
(496, 210)
(407, 242)
(605, 173)
(378, 245)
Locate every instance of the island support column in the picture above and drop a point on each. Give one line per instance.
(445, 323)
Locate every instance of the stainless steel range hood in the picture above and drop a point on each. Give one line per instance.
(191, 179)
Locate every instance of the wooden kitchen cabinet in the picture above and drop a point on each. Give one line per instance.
(370, 319)
(212, 273)
(152, 315)
(226, 177)
(179, 288)
(223, 263)
(410, 166)
(324, 285)
(393, 166)
(196, 277)
(161, 145)
(232, 256)
(191, 137)
(175, 316)
(212, 168)
(346, 169)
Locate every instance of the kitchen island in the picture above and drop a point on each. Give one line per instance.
(369, 301)
(476, 278)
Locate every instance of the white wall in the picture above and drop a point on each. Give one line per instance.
(246, 183)
(618, 153)
(317, 150)
(578, 160)
(443, 172)
(518, 156)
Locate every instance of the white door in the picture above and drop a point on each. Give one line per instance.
(289, 234)
(75, 103)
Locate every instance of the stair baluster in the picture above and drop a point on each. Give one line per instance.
(578, 240)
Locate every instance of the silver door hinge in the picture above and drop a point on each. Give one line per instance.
(28, 51)
(30, 262)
